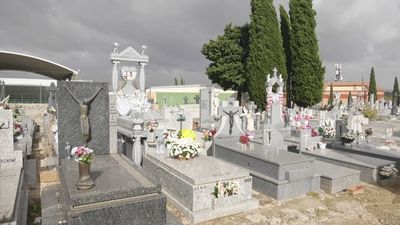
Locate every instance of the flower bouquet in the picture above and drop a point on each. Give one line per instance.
(82, 154)
(152, 125)
(183, 148)
(208, 134)
(327, 130)
(225, 189)
(388, 171)
(349, 137)
(182, 144)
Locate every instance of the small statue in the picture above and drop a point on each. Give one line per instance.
(231, 119)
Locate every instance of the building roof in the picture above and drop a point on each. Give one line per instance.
(27, 82)
(33, 64)
(348, 83)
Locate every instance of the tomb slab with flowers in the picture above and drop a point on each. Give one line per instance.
(189, 180)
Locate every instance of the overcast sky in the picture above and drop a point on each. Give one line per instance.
(80, 34)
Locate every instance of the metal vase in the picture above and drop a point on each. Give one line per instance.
(85, 181)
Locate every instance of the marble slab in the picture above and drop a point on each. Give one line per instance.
(6, 131)
(9, 188)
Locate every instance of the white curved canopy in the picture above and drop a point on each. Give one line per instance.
(29, 63)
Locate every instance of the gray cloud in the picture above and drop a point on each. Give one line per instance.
(79, 34)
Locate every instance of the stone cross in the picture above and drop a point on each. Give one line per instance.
(197, 99)
(165, 101)
(185, 100)
(252, 107)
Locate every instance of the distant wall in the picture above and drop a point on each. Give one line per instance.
(34, 111)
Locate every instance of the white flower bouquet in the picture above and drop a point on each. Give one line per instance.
(327, 130)
(183, 148)
(225, 189)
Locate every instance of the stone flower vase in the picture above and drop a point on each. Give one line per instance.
(85, 181)
(151, 138)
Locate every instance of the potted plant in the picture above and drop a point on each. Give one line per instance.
(83, 155)
(208, 135)
(151, 126)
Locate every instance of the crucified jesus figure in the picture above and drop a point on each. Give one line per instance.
(84, 110)
(231, 119)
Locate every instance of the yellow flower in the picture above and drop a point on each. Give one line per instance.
(186, 133)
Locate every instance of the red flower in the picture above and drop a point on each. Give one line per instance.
(244, 139)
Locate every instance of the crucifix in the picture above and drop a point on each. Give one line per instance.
(269, 137)
(231, 119)
(84, 116)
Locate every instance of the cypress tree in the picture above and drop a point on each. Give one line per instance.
(395, 87)
(349, 100)
(285, 32)
(330, 100)
(265, 49)
(372, 85)
(307, 71)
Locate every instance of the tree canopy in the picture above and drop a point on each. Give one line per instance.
(307, 71)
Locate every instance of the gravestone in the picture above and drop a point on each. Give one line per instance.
(229, 113)
(69, 122)
(275, 100)
(206, 107)
(340, 127)
(6, 131)
(11, 173)
(121, 194)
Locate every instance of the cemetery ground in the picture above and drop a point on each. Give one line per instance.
(376, 205)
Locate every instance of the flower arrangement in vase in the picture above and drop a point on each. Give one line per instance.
(152, 125)
(388, 171)
(208, 134)
(83, 155)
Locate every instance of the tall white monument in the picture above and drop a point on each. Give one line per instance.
(129, 55)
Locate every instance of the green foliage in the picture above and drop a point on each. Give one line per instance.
(285, 32)
(395, 88)
(179, 81)
(372, 85)
(349, 99)
(265, 49)
(330, 100)
(228, 53)
(369, 113)
(307, 71)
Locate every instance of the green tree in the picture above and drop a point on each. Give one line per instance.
(182, 81)
(395, 88)
(330, 100)
(228, 54)
(265, 49)
(372, 85)
(285, 32)
(307, 71)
